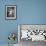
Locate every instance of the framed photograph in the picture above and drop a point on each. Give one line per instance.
(10, 12)
(33, 32)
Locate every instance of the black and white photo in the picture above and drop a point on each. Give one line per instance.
(10, 12)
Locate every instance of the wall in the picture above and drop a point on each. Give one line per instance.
(28, 12)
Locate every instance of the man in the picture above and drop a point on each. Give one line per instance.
(10, 12)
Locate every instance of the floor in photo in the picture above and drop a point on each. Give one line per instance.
(32, 43)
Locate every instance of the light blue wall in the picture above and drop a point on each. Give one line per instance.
(28, 12)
